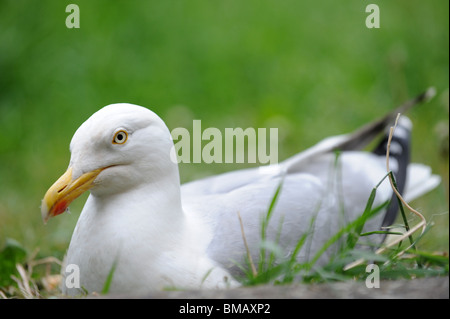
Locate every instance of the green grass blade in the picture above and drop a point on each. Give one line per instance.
(109, 278)
(264, 225)
(344, 230)
(402, 210)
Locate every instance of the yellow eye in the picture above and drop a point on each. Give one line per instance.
(120, 137)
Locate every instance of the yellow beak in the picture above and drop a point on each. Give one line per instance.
(64, 191)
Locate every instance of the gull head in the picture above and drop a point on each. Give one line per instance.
(120, 147)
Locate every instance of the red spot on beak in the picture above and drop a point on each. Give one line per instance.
(60, 208)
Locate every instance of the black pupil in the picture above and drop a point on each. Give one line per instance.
(120, 137)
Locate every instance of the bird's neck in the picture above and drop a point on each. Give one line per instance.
(156, 203)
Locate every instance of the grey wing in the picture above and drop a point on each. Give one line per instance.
(315, 186)
(322, 192)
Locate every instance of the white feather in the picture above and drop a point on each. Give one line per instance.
(161, 234)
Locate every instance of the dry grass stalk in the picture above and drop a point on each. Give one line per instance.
(422, 224)
(250, 260)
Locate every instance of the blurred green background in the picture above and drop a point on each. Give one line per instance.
(310, 68)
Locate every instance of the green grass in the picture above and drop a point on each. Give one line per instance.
(312, 69)
(353, 256)
(349, 262)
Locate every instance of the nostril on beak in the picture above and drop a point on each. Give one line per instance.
(60, 190)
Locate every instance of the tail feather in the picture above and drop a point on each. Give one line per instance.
(413, 180)
(420, 181)
(399, 158)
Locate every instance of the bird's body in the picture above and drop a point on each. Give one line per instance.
(158, 233)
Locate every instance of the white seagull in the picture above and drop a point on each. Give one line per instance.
(156, 233)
